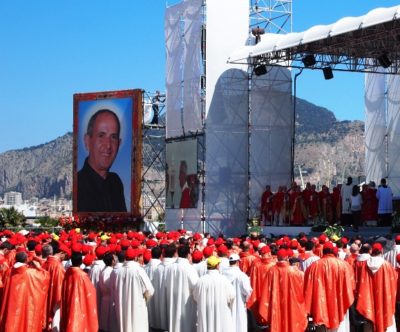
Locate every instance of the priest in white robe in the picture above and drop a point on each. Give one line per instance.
(150, 268)
(107, 303)
(132, 289)
(159, 317)
(241, 282)
(180, 279)
(215, 296)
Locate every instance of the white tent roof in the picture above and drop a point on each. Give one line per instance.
(272, 43)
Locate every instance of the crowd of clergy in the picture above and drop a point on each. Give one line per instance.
(180, 281)
(348, 204)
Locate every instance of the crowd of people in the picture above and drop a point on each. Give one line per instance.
(180, 281)
(348, 204)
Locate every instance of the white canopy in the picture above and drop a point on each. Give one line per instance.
(271, 43)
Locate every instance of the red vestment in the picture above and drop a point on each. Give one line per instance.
(369, 208)
(257, 278)
(246, 260)
(376, 298)
(328, 290)
(186, 201)
(278, 201)
(296, 208)
(56, 271)
(78, 304)
(266, 205)
(25, 292)
(282, 301)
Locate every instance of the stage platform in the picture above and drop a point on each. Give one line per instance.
(293, 231)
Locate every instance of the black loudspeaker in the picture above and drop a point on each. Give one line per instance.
(384, 61)
(328, 74)
(260, 70)
(309, 60)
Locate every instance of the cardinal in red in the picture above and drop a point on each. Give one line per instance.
(328, 290)
(78, 305)
(282, 303)
(25, 292)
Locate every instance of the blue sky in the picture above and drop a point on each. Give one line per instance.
(50, 50)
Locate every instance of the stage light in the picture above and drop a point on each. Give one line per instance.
(384, 61)
(260, 70)
(309, 60)
(328, 73)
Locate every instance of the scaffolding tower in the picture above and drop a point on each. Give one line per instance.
(275, 16)
(153, 162)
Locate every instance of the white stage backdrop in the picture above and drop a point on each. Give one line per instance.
(226, 119)
(393, 110)
(271, 133)
(375, 127)
(173, 78)
(183, 24)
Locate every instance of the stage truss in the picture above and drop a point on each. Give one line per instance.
(275, 16)
(153, 166)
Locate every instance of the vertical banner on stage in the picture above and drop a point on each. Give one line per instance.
(375, 127)
(173, 78)
(226, 193)
(192, 66)
(393, 112)
(182, 184)
(107, 153)
(183, 26)
(271, 126)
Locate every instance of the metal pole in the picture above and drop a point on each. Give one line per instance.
(294, 119)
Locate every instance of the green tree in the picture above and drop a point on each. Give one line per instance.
(10, 217)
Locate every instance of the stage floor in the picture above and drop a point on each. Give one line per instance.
(293, 231)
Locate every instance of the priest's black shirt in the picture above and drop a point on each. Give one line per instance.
(96, 194)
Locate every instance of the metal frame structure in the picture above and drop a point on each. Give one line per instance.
(275, 16)
(153, 165)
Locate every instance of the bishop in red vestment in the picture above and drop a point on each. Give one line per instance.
(78, 304)
(25, 292)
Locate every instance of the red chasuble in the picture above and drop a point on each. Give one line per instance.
(376, 298)
(78, 305)
(328, 290)
(282, 303)
(24, 300)
(56, 270)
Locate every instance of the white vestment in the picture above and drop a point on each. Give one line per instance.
(94, 275)
(113, 277)
(241, 282)
(390, 255)
(201, 268)
(215, 296)
(131, 290)
(304, 265)
(180, 279)
(107, 303)
(160, 318)
(151, 304)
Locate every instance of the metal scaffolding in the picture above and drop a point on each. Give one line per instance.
(153, 164)
(275, 16)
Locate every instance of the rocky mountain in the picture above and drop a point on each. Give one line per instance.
(39, 171)
(327, 150)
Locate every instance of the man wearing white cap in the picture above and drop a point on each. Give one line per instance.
(241, 283)
(215, 297)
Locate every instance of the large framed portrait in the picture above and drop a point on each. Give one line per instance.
(182, 184)
(107, 153)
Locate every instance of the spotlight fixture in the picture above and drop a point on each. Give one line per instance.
(308, 60)
(384, 61)
(328, 74)
(260, 70)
